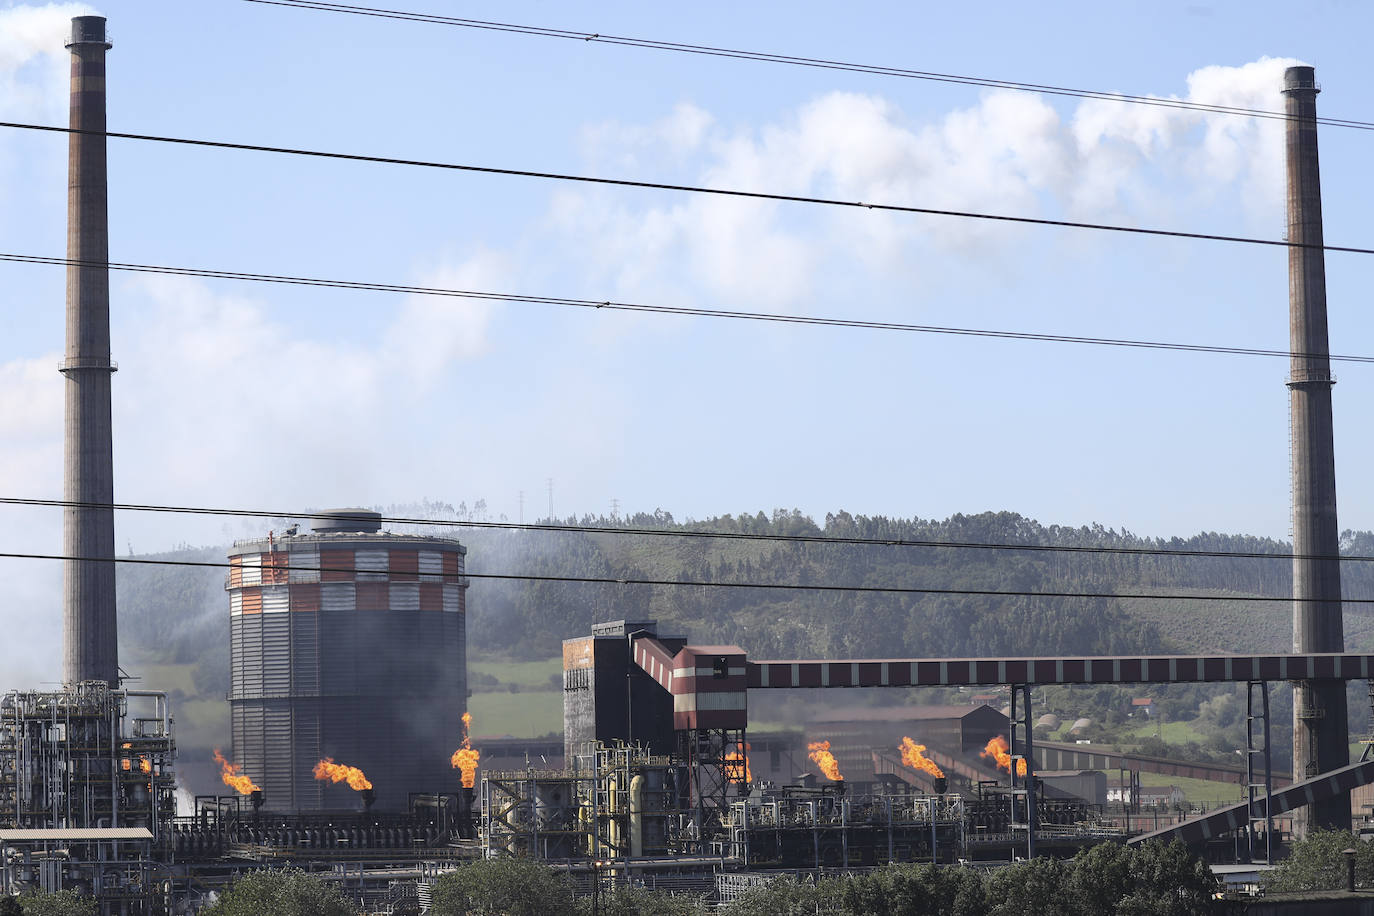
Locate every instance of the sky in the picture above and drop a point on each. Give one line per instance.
(242, 395)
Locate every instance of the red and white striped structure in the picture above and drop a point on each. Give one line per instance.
(347, 642)
(709, 684)
(1121, 669)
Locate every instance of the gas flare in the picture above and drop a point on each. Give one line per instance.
(737, 764)
(997, 751)
(337, 772)
(914, 756)
(232, 774)
(466, 757)
(145, 764)
(820, 752)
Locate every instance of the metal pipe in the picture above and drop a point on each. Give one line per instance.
(1319, 707)
(88, 584)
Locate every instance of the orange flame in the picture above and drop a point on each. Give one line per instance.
(820, 752)
(124, 764)
(737, 764)
(466, 757)
(914, 756)
(232, 774)
(145, 764)
(997, 751)
(338, 772)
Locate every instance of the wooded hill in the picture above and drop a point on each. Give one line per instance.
(177, 614)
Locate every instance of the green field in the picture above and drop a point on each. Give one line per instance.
(1172, 732)
(1199, 791)
(166, 678)
(526, 675)
(527, 714)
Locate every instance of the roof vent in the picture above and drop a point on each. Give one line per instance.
(338, 520)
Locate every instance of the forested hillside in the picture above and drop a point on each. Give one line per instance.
(178, 616)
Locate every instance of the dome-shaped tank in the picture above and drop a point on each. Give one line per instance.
(347, 642)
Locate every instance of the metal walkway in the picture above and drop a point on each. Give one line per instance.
(1214, 823)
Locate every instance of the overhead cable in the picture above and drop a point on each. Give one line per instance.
(693, 189)
(703, 583)
(624, 531)
(672, 310)
(588, 37)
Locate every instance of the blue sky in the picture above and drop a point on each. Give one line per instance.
(233, 394)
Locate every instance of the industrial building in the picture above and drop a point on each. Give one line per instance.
(347, 643)
(348, 651)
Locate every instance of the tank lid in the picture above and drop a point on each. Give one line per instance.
(363, 520)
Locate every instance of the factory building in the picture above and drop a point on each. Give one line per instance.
(347, 643)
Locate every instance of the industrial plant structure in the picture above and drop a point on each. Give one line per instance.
(1320, 739)
(348, 655)
(347, 643)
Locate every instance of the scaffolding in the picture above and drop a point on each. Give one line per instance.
(618, 802)
(87, 791)
(830, 828)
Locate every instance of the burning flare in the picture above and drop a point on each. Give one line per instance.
(467, 756)
(914, 756)
(145, 764)
(820, 752)
(997, 750)
(232, 774)
(737, 764)
(337, 772)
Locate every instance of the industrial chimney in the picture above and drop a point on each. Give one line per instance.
(1319, 726)
(88, 579)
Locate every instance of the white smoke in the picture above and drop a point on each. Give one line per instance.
(33, 61)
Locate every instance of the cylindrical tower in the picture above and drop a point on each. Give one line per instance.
(88, 584)
(348, 642)
(1319, 708)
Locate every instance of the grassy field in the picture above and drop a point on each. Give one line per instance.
(1199, 791)
(162, 677)
(527, 675)
(527, 714)
(1172, 732)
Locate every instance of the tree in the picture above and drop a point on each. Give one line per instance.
(1155, 879)
(288, 892)
(1034, 888)
(501, 887)
(638, 901)
(787, 897)
(1317, 863)
(10, 906)
(61, 903)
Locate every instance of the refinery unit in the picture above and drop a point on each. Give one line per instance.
(350, 754)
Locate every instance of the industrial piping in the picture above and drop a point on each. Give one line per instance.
(1319, 707)
(88, 582)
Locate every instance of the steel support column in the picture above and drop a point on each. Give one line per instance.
(1022, 752)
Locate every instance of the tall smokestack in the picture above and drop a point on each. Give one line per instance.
(1319, 726)
(88, 585)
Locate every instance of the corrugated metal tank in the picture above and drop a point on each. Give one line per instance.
(348, 642)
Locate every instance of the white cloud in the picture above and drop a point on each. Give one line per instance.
(1010, 153)
(33, 62)
(432, 332)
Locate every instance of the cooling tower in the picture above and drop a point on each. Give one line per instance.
(348, 642)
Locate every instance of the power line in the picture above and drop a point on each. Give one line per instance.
(793, 60)
(673, 310)
(706, 583)
(693, 189)
(685, 533)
